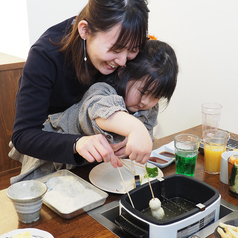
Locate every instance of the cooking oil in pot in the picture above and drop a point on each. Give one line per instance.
(173, 207)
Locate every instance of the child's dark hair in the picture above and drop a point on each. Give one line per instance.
(157, 64)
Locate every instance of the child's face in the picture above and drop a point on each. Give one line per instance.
(135, 99)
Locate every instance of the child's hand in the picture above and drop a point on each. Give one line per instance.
(139, 145)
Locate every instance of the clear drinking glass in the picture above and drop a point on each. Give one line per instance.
(211, 114)
(186, 150)
(215, 141)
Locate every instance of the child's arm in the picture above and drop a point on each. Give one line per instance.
(149, 118)
(139, 143)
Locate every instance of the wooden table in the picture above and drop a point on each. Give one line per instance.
(83, 225)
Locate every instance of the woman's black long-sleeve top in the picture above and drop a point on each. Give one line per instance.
(47, 85)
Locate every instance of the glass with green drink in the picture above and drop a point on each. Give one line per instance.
(186, 151)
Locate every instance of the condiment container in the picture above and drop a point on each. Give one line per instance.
(233, 175)
(224, 165)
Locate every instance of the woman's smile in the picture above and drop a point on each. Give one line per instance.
(112, 65)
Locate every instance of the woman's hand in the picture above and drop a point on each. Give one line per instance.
(97, 148)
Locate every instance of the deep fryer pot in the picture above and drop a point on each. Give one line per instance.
(205, 198)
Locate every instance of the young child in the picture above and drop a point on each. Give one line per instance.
(123, 104)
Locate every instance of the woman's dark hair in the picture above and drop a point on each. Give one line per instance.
(101, 16)
(156, 63)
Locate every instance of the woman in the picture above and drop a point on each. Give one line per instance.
(60, 67)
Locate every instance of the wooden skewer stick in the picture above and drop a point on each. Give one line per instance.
(125, 187)
(128, 167)
(149, 183)
(135, 164)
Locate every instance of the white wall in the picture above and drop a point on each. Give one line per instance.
(14, 38)
(203, 33)
(23, 21)
(43, 14)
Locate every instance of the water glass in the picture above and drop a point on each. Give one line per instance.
(186, 151)
(211, 114)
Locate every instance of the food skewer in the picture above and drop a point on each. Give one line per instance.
(125, 187)
(128, 167)
(149, 182)
(154, 204)
(136, 176)
(135, 164)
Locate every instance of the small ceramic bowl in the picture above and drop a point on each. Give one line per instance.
(27, 199)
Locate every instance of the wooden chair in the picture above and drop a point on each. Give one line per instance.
(10, 71)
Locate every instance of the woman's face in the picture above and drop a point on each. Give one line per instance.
(98, 50)
(136, 99)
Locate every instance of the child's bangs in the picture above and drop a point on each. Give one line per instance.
(155, 87)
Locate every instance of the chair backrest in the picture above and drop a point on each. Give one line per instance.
(10, 71)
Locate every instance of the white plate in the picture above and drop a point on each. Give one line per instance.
(107, 178)
(165, 148)
(33, 231)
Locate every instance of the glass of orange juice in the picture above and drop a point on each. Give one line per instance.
(215, 141)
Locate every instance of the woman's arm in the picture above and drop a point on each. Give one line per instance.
(46, 86)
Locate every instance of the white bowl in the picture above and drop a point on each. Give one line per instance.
(27, 199)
